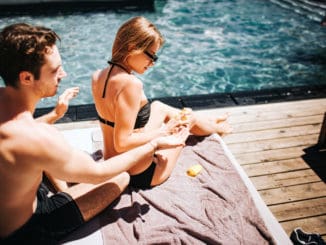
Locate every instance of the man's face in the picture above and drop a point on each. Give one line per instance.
(51, 74)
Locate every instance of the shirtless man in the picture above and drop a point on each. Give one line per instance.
(57, 113)
(30, 65)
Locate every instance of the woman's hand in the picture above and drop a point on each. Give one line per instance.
(186, 116)
(171, 127)
(171, 141)
(184, 119)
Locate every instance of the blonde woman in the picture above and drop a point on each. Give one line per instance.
(126, 117)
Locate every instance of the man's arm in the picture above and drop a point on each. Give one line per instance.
(64, 162)
(61, 107)
(53, 116)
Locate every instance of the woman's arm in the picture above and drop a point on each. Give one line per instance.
(126, 109)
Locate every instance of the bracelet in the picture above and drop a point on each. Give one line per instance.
(154, 146)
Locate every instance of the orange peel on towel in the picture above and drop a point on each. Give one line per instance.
(194, 170)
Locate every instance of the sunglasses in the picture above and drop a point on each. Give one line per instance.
(153, 57)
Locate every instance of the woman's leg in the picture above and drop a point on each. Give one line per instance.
(200, 124)
(160, 113)
(139, 168)
(206, 125)
(166, 161)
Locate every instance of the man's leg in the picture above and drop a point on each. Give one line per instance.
(92, 199)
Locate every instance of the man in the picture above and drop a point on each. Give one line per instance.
(58, 112)
(30, 65)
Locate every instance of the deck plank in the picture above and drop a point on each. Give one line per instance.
(293, 193)
(316, 224)
(285, 179)
(266, 168)
(273, 133)
(271, 142)
(278, 123)
(271, 155)
(300, 209)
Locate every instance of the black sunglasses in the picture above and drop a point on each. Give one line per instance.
(153, 57)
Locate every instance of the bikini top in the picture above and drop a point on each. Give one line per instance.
(144, 112)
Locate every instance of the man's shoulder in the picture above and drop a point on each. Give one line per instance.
(25, 127)
(22, 134)
(30, 142)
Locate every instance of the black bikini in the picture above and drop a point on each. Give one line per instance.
(144, 112)
(144, 179)
(141, 119)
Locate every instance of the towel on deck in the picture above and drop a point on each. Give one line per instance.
(215, 207)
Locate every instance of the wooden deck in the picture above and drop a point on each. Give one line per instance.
(274, 144)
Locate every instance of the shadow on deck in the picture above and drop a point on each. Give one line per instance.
(315, 155)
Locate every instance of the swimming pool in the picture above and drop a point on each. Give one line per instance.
(211, 46)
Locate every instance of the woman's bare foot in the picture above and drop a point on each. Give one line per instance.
(223, 128)
(222, 118)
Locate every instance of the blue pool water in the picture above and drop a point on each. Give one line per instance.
(211, 46)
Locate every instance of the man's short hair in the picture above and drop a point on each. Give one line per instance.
(22, 48)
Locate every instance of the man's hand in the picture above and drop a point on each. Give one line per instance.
(63, 101)
(171, 141)
(61, 107)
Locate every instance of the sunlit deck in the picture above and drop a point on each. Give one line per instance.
(274, 143)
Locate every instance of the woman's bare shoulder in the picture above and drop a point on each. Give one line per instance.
(97, 75)
(129, 82)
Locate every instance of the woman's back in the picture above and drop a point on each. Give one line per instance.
(114, 93)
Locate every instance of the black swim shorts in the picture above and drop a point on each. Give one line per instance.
(55, 217)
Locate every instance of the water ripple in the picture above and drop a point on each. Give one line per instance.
(211, 46)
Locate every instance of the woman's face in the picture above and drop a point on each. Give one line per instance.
(140, 62)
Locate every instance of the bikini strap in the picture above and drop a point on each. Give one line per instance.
(106, 82)
(118, 65)
(109, 73)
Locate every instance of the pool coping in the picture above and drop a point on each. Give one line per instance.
(49, 7)
(87, 112)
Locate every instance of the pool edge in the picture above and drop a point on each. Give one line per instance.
(87, 112)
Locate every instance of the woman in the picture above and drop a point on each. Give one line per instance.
(126, 117)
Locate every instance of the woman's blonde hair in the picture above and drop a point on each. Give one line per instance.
(134, 36)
